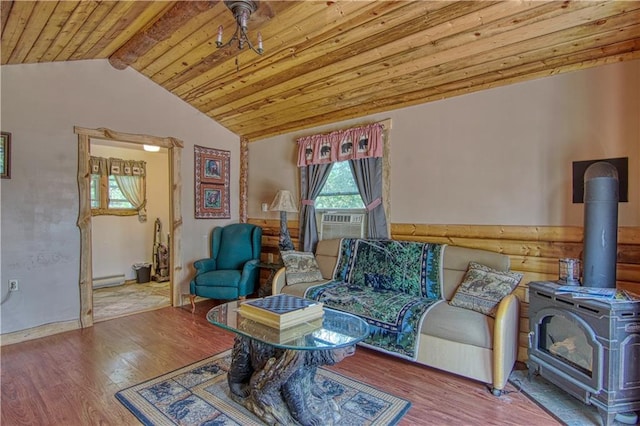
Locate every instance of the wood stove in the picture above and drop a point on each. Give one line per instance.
(588, 347)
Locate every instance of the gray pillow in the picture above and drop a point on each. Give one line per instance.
(300, 267)
(483, 288)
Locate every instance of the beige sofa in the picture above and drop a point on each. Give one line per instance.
(453, 339)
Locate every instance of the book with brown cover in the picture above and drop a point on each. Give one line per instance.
(274, 335)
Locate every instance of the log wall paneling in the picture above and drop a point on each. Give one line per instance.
(244, 179)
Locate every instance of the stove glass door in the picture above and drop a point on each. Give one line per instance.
(564, 340)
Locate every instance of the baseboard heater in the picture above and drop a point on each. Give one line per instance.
(108, 281)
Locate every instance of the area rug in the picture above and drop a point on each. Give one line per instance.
(198, 394)
(564, 407)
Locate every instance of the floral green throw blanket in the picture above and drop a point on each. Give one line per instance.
(390, 284)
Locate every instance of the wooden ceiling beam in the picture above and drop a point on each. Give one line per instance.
(223, 69)
(437, 79)
(325, 61)
(5, 10)
(98, 35)
(202, 54)
(86, 34)
(197, 34)
(445, 48)
(37, 22)
(392, 55)
(68, 31)
(318, 50)
(129, 18)
(199, 53)
(161, 29)
(340, 89)
(12, 27)
(50, 31)
(627, 51)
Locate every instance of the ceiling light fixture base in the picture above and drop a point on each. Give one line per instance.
(242, 10)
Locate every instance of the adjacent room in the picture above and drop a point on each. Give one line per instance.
(129, 245)
(449, 191)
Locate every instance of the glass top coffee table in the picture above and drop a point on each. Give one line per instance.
(272, 372)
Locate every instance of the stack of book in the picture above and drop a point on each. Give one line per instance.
(275, 335)
(281, 311)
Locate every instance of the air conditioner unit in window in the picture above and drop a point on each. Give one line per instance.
(342, 225)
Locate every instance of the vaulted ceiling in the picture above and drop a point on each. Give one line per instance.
(324, 61)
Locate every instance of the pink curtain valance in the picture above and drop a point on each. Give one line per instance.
(341, 145)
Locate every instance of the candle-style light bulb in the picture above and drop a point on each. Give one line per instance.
(260, 47)
(219, 39)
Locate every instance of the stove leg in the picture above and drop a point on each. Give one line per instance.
(607, 418)
(533, 371)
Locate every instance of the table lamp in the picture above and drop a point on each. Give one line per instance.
(283, 202)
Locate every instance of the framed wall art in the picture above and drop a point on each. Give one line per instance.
(211, 183)
(5, 155)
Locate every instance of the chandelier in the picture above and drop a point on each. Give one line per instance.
(242, 10)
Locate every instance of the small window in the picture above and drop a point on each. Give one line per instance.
(117, 200)
(108, 199)
(95, 191)
(340, 190)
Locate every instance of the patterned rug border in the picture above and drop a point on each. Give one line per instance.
(150, 415)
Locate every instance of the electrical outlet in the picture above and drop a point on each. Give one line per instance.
(13, 285)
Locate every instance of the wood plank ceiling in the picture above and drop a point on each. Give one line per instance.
(324, 61)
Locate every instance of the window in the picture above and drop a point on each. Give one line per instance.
(340, 191)
(118, 187)
(107, 197)
(339, 207)
(95, 191)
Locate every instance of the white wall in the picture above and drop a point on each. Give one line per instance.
(497, 157)
(120, 241)
(501, 156)
(40, 241)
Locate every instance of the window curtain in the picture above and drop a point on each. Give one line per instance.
(312, 179)
(341, 145)
(130, 176)
(363, 147)
(367, 173)
(99, 166)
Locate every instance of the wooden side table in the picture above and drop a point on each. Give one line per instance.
(265, 290)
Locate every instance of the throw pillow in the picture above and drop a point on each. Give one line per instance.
(300, 267)
(483, 288)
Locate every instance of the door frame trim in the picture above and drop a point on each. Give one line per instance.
(174, 147)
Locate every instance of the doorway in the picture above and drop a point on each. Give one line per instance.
(174, 150)
(125, 244)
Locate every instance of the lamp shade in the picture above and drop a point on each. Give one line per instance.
(283, 202)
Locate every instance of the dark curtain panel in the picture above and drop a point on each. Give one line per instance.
(368, 176)
(312, 179)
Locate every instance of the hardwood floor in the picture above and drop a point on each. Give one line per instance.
(71, 378)
(129, 298)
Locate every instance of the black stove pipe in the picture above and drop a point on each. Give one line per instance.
(600, 225)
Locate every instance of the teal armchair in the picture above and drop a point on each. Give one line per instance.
(232, 272)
